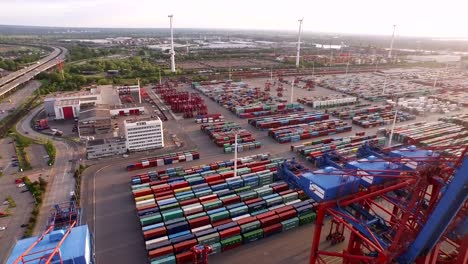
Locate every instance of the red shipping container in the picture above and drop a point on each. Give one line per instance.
(153, 233)
(287, 215)
(160, 252)
(251, 201)
(246, 220)
(280, 187)
(185, 245)
(161, 188)
(276, 228)
(208, 198)
(229, 232)
(144, 207)
(142, 192)
(179, 185)
(216, 182)
(197, 222)
(228, 175)
(185, 257)
(212, 178)
(187, 202)
(221, 222)
(164, 193)
(265, 215)
(284, 209)
(231, 200)
(285, 192)
(164, 197)
(158, 182)
(269, 220)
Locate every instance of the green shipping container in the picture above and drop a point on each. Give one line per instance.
(212, 205)
(252, 236)
(154, 219)
(172, 215)
(231, 241)
(216, 248)
(167, 259)
(248, 195)
(250, 226)
(308, 218)
(209, 239)
(169, 206)
(190, 217)
(290, 223)
(219, 216)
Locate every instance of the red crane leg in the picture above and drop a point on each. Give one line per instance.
(317, 233)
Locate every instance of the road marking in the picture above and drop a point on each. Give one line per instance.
(94, 208)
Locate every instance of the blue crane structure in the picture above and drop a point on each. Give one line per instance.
(401, 204)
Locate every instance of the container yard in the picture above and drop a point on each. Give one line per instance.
(276, 121)
(328, 101)
(224, 134)
(208, 205)
(381, 118)
(424, 106)
(374, 87)
(450, 97)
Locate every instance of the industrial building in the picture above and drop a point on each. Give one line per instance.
(144, 133)
(94, 121)
(75, 247)
(107, 147)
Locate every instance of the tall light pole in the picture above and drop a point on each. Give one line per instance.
(393, 125)
(391, 43)
(292, 91)
(235, 154)
(299, 43)
(172, 45)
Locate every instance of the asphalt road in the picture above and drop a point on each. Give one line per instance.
(61, 181)
(17, 98)
(17, 78)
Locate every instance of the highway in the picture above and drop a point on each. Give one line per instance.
(13, 80)
(61, 182)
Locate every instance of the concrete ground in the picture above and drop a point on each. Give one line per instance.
(109, 210)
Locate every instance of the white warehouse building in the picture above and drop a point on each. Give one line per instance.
(144, 134)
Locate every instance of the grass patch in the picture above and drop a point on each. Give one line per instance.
(50, 148)
(11, 202)
(77, 177)
(37, 189)
(21, 143)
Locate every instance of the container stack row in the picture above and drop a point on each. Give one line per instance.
(431, 134)
(288, 119)
(299, 132)
(224, 211)
(461, 119)
(257, 110)
(343, 146)
(350, 112)
(183, 102)
(327, 101)
(210, 118)
(381, 119)
(224, 134)
(165, 159)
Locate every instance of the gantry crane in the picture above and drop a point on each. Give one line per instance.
(408, 212)
(63, 216)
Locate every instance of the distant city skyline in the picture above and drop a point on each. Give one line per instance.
(413, 18)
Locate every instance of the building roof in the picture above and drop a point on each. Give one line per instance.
(105, 141)
(67, 102)
(109, 95)
(75, 248)
(94, 114)
(142, 118)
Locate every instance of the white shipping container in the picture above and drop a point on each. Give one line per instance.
(145, 163)
(240, 217)
(160, 162)
(188, 157)
(201, 228)
(156, 240)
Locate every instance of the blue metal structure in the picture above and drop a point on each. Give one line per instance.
(425, 195)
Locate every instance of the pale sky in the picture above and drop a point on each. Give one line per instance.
(447, 18)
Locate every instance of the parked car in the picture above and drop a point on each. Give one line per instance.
(24, 225)
(2, 228)
(18, 181)
(21, 185)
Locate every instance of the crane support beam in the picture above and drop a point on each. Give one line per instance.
(449, 204)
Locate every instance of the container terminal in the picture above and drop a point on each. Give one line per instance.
(279, 166)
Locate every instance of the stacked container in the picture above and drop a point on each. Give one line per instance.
(217, 209)
(289, 119)
(224, 134)
(295, 133)
(164, 159)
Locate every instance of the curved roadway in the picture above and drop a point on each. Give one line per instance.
(17, 78)
(61, 182)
